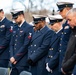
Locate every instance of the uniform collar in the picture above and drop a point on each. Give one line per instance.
(2, 19)
(59, 30)
(21, 23)
(41, 29)
(44, 29)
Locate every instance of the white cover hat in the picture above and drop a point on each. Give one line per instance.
(17, 6)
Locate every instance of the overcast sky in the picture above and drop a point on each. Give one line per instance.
(48, 4)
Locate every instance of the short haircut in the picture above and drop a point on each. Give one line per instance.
(72, 11)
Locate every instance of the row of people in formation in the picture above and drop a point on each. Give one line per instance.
(40, 50)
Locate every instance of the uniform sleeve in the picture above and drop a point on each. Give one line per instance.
(5, 43)
(43, 49)
(70, 55)
(70, 63)
(54, 61)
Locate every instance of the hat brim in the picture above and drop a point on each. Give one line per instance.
(51, 23)
(14, 17)
(55, 21)
(34, 22)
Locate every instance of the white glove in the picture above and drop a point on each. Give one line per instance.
(47, 68)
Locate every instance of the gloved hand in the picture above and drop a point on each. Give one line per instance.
(47, 68)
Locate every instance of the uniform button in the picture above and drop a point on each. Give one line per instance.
(60, 44)
(20, 35)
(34, 51)
(60, 38)
(16, 35)
(51, 56)
(15, 44)
(16, 40)
(35, 45)
(59, 50)
(51, 48)
(31, 51)
(9, 51)
(31, 45)
(64, 33)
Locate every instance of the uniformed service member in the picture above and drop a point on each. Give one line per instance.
(52, 60)
(6, 28)
(64, 7)
(22, 34)
(39, 45)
